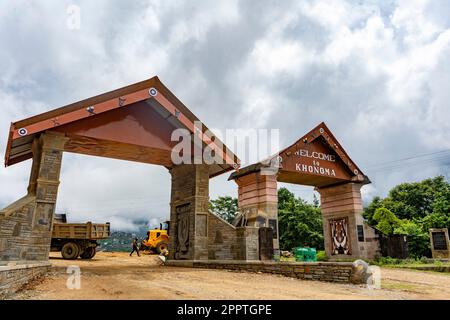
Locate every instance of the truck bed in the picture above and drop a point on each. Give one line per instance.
(88, 231)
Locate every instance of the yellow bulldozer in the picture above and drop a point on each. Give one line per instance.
(157, 239)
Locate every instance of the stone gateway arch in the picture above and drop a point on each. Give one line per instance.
(136, 123)
(133, 123)
(317, 159)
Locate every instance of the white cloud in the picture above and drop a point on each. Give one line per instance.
(410, 17)
(272, 57)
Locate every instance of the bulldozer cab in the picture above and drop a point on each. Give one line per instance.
(157, 239)
(157, 233)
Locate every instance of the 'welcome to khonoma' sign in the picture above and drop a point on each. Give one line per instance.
(315, 168)
(318, 159)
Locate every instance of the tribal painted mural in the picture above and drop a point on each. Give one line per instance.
(340, 242)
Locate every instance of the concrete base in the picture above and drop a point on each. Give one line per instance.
(343, 272)
(13, 276)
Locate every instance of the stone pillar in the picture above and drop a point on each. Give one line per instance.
(26, 225)
(47, 183)
(189, 209)
(342, 209)
(258, 201)
(248, 240)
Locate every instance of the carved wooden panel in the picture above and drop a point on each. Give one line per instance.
(183, 226)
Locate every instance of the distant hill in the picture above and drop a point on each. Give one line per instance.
(121, 240)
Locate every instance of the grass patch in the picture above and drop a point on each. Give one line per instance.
(423, 268)
(321, 256)
(388, 261)
(399, 286)
(416, 264)
(284, 259)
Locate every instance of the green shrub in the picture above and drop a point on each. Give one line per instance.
(387, 221)
(321, 256)
(381, 261)
(425, 260)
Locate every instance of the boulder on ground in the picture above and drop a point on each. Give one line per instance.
(287, 254)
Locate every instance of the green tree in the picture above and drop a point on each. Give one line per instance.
(286, 199)
(225, 207)
(386, 220)
(376, 203)
(300, 223)
(418, 240)
(441, 204)
(316, 202)
(418, 207)
(414, 200)
(434, 220)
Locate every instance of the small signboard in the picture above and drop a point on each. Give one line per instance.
(266, 243)
(360, 232)
(439, 241)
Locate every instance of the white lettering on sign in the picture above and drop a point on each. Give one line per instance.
(315, 155)
(315, 169)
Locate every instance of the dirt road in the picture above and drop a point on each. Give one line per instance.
(118, 276)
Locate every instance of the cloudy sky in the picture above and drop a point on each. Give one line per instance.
(377, 72)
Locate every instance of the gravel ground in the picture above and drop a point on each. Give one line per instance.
(118, 276)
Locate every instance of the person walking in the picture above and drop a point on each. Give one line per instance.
(135, 247)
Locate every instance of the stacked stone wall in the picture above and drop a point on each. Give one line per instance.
(343, 272)
(13, 277)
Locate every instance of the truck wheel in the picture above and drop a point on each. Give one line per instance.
(93, 252)
(89, 253)
(161, 246)
(70, 251)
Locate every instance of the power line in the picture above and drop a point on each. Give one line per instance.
(409, 158)
(441, 160)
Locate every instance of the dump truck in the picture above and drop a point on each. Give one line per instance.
(75, 240)
(157, 239)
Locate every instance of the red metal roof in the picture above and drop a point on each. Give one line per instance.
(80, 114)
